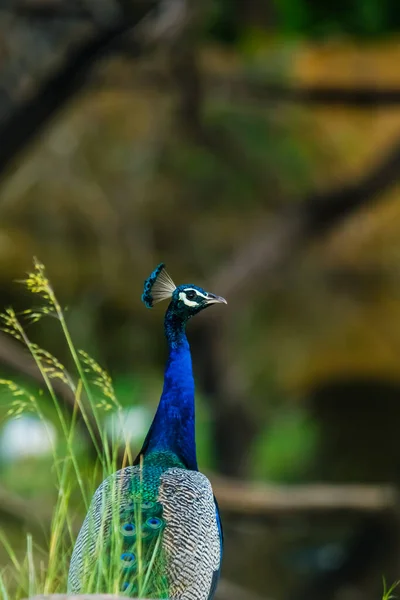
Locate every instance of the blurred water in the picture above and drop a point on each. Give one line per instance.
(25, 437)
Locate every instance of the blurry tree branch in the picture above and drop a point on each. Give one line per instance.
(30, 116)
(301, 222)
(247, 89)
(191, 87)
(50, 9)
(144, 22)
(15, 508)
(243, 89)
(241, 498)
(308, 218)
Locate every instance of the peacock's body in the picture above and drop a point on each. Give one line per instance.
(153, 529)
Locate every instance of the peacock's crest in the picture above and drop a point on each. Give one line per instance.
(159, 286)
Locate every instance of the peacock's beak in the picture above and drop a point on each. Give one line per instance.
(212, 299)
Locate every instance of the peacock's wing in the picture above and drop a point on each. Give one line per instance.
(191, 537)
(151, 532)
(216, 574)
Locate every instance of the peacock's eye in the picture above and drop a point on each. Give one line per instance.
(191, 294)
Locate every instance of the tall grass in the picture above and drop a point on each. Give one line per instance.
(45, 570)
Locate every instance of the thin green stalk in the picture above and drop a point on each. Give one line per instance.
(83, 378)
(7, 546)
(78, 392)
(3, 590)
(31, 567)
(56, 539)
(138, 519)
(150, 566)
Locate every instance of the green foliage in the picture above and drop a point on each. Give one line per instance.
(284, 451)
(222, 22)
(360, 17)
(293, 15)
(313, 18)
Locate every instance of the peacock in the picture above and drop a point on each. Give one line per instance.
(153, 529)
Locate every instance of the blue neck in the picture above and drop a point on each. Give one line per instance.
(173, 427)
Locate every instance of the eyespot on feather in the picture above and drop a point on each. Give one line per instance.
(128, 560)
(154, 523)
(128, 530)
(129, 588)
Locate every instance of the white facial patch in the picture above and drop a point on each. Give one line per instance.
(182, 296)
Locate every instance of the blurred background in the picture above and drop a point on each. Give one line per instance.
(254, 147)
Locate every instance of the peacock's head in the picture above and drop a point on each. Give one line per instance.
(186, 300)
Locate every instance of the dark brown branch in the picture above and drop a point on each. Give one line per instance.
(272, 247)
(28, 119)
(245, 90)
(191, 86)
(51, 9)
(137, 25)
(241, 498)
(23, 512)
(363, 97)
